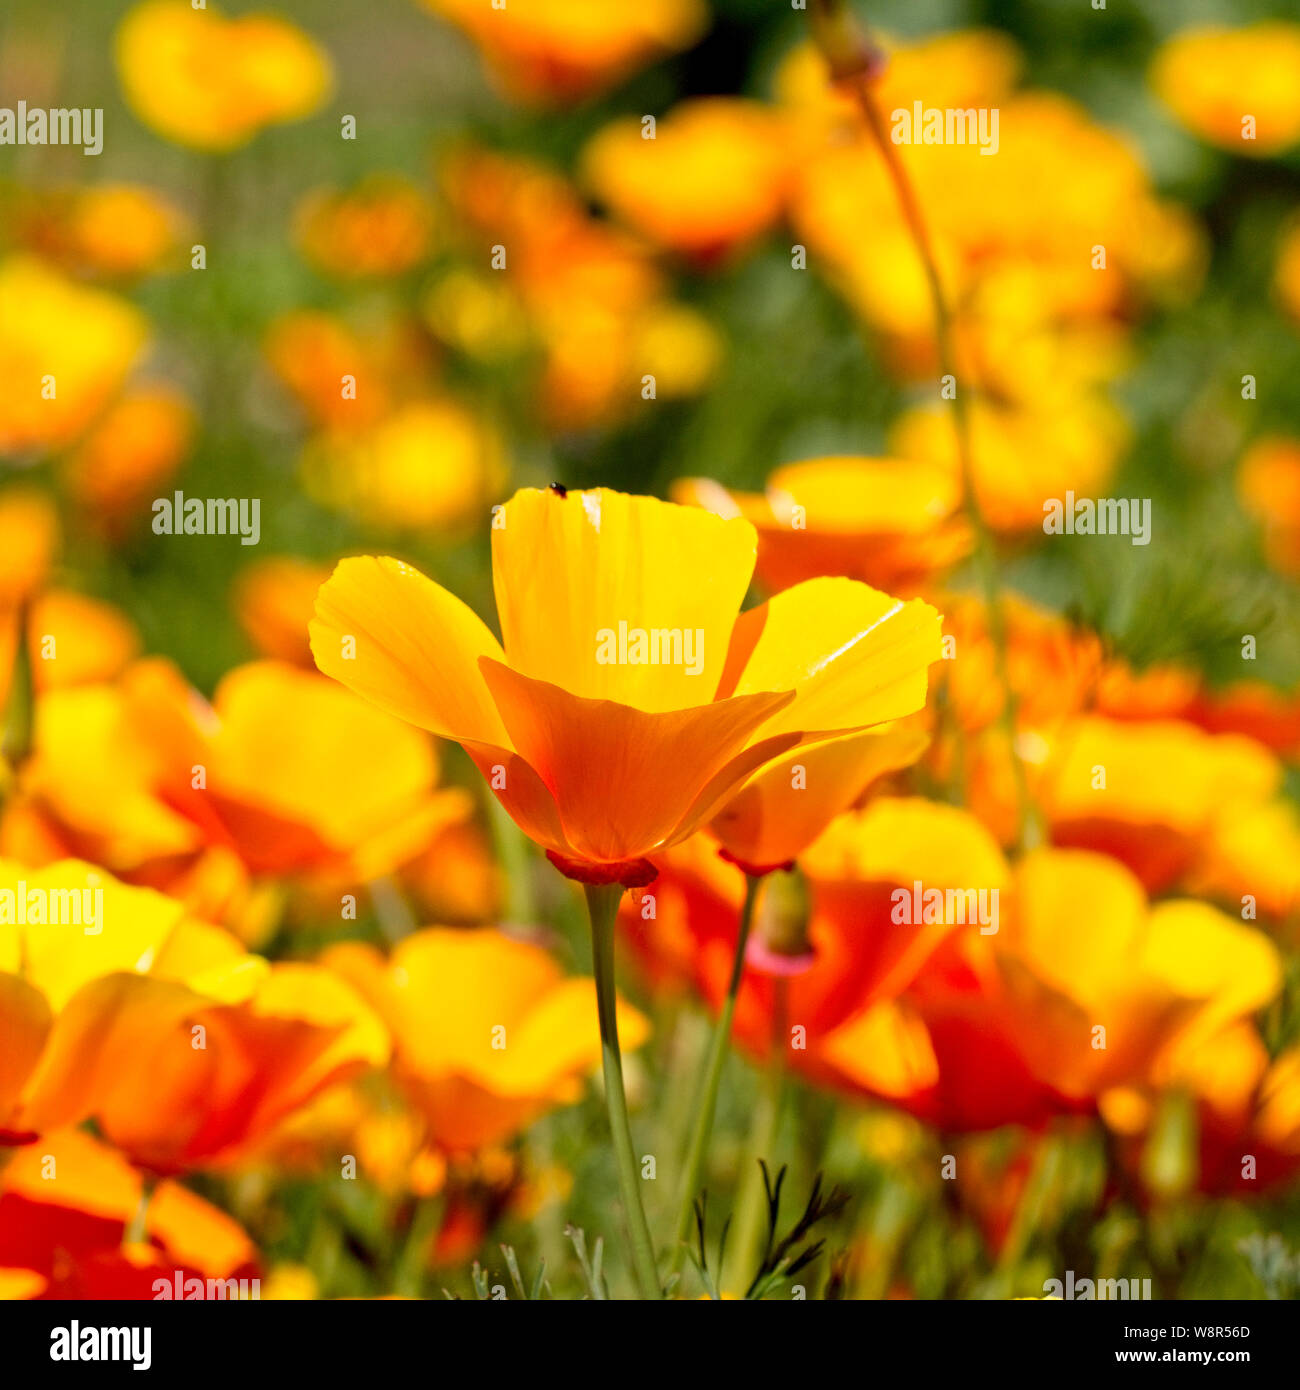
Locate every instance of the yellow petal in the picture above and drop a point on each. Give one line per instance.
(557, 1041)
(569, 570)
(1079, 920)
(291, 741)
(407, 645)
(783, 808)
(853, 656)
(1200, 953)
(131, 926)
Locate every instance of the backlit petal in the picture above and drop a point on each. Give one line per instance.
(414, 647)
(569, 570)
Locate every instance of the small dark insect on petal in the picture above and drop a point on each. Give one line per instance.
(559, 489)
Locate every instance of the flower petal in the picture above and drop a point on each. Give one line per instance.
(853, 656)
(416, 649)
(623, 778)
(777, 814)
(569, 570)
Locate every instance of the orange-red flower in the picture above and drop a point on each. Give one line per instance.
(1153, 795)
(869, 930)
(180, 1045)
(65, 1207)
(1086, 996)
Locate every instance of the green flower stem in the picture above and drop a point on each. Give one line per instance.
(707, 1090)
(602, 905)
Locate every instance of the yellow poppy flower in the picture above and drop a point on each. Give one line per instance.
(103, 990)
(65, 351)
(603, 747)
(1237, 88)
(563, 50)
(487, 1032)
(199, 79)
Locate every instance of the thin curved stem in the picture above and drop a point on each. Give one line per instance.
(711, 1079)
(602, 905)
(853, 62)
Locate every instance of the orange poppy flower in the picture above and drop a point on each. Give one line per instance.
(861, 943)
(488, 1034)
(341, 379)
(1087, 993)
(631, 700)
(587, 294)
(179, 1044)
(155, 783)
(383, 226)
(29, 543)
(129, 456)
(712, 180)
(117, 229)
(273, 600)
(65, 1206)
(890, 523)
(1268, 484)
(1150, 794)
(1034, 315)
(562, 50)
(70, 639)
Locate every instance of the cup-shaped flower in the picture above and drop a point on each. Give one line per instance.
(629, 699)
